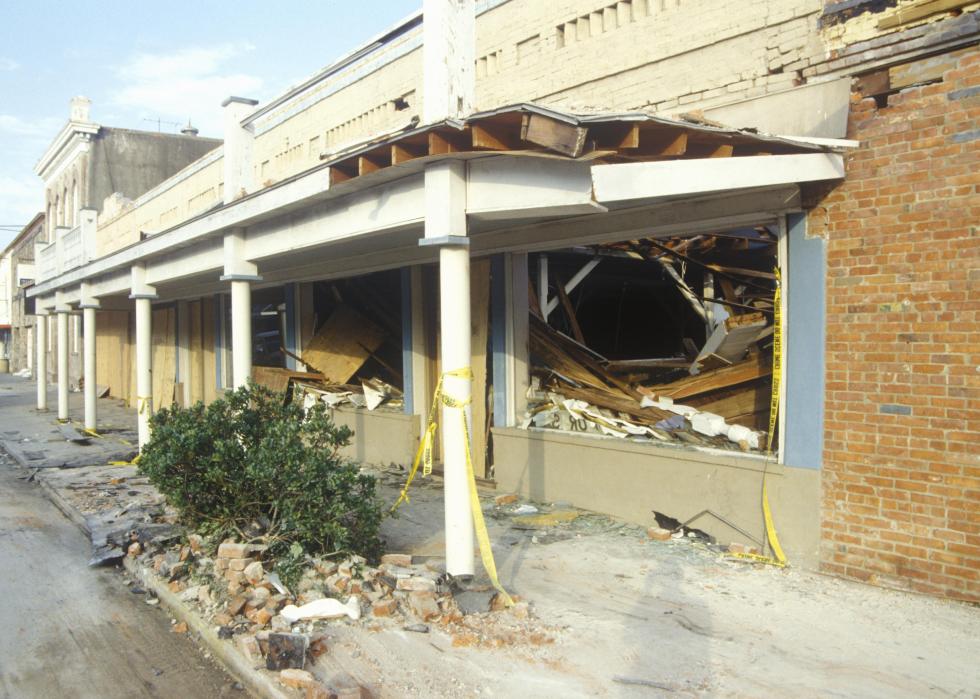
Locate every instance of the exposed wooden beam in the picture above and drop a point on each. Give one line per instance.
(442, 142)
(709, 150)
(615, 136)
(492, 137)
(559, 136)
(339, 173)
(369, 163)
(920, 11)
(403, 152)
(662, 142)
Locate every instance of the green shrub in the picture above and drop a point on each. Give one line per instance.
(250, 465)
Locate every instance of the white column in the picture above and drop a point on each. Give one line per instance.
(143, 295)
(241, 273)
(41, 342)
(88, 317)
(237, 148)
(454, 322)
(241, 332)
(448, 57)
(445, 227)
(144, 376)
(62, 363)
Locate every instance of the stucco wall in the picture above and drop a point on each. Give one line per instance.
(191, 191)
(380, 437)
(631, 480)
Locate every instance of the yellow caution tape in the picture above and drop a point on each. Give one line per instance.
(91, 433)
(777, 365)
(423, 456)
(144, 403)
(756, 558)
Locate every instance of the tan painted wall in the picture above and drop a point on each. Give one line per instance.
(189, 192)
(630, 480)
(380, 437)
(576, 54)
(646, 53)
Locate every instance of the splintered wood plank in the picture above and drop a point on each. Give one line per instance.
(754, 367)
(559, 136)
(277, 379)
(480, 329)
(920, 11)
(342, 345)
(570, 313)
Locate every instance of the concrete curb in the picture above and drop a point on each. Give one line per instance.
(257, 683)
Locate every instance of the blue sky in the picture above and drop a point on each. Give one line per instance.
(140, 61)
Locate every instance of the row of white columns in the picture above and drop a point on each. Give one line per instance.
(142, 296)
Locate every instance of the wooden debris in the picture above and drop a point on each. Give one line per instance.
(343, 344)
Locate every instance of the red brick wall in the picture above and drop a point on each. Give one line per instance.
(901, 481)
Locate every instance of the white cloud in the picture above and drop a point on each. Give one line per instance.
(189, 83)
(20, 198)
(8, 65)
(41, 128)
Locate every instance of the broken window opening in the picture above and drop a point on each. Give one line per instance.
(659, 340)
(352, 345)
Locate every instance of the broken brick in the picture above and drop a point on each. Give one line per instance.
(397, 559)
(318, 691)
(196, 542)
(508, 499)
(249, 647)
(424, 605)
(416, 584)
(179, 627)
(254, 572)
(294, 677)
(230, 549)
(384, 608)
(240, 563)
(318, 646)
(658, 534)
(222, 619)
(236, 604)
(134, 549)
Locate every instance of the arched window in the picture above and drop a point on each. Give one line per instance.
(75, 204)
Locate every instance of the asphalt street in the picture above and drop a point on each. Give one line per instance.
(67, 630)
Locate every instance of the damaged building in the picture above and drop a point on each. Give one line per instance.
(679, 269)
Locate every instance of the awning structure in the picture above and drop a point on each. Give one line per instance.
(535, 177)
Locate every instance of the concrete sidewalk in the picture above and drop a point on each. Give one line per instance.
(620, 615)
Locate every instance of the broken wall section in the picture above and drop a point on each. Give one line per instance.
(666, 341)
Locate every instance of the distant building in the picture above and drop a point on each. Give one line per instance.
(16, 311)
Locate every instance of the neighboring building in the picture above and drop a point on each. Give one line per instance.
(17, 263)
(530, 154)
(90, 167)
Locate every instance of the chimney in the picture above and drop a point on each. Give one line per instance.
(79, 108)
(189, 130)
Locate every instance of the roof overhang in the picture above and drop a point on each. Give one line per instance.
(367, 203)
